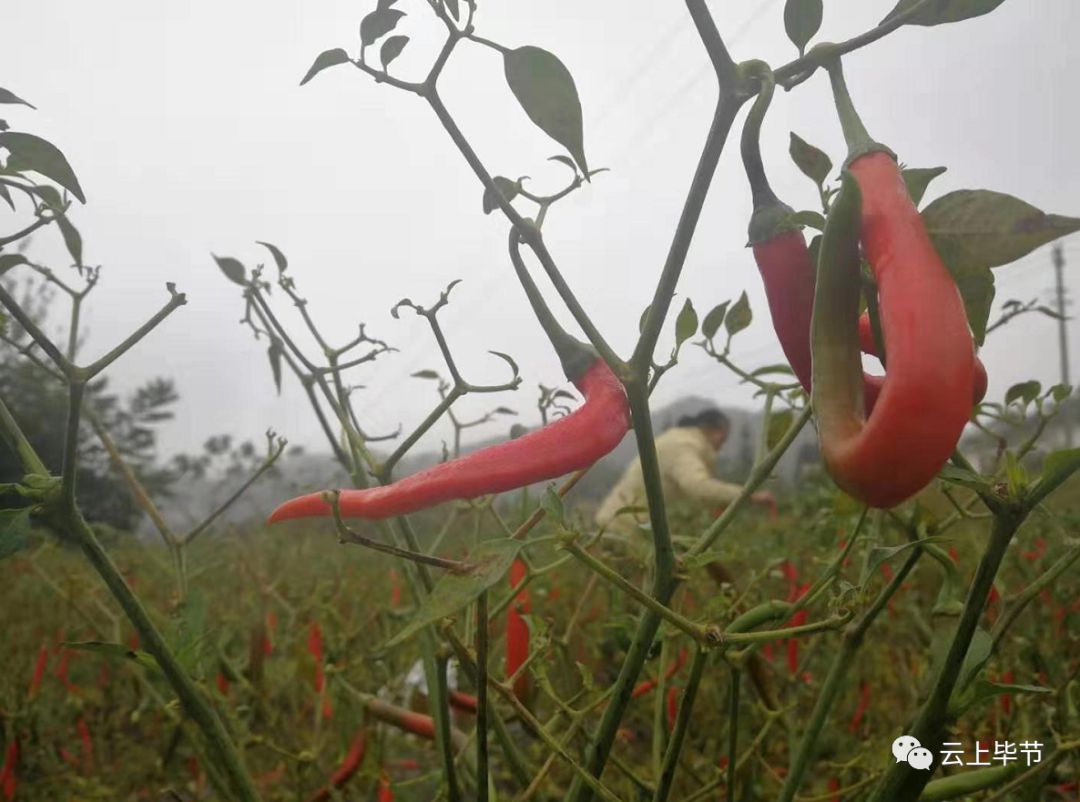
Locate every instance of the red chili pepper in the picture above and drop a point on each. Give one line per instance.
(787, 267)
(672, 706)
(861, 708)
(1006, 698)
(676, 666)
(348, 768)
(87, 742)
(222, 683)
(568, 444)
(463, 702)
(407, 720)
(884, 457)
(40, 665)
(395, 589)
(517, 630)
(8, 781)
(386, 793)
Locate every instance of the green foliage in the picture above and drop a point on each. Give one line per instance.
(546, 91)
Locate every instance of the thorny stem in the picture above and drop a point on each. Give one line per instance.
(481, 698)
(733, 731)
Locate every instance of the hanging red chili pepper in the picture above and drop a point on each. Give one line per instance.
(348, 768)
(87, 743)
(386, 793)
(861, 708)
(40, 665)
(787, 267)
(672, 706)
(462, 702)
(8, 781)
(517, 630)
(569, 444)
(884, 457)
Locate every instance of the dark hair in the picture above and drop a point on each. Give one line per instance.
(711, 418)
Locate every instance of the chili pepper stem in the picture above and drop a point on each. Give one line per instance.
(858, 139)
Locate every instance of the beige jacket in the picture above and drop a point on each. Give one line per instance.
(686, 466)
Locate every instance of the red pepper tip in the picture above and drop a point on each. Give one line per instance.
(309, 506)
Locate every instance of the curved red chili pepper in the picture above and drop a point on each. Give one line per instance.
(348, 768)
(386, 792)
(463, 702)
(40, 665)
(885, 457)
(567, 445)
(788, 273)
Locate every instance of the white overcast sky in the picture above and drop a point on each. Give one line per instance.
(190, 134)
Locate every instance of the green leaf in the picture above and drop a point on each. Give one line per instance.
(489, 562)
(115, 651)
(976, 229)
(425, 374)
(279, 258)
(328, 58)
(939, 12)
(29, 152)
(11, 98)
(642, 319)
(72, 238)
(780, 367)
(1024, 391)
(979, 651)
(739, 317)
(964, 478)
(809, 218)
(551, 502)
(392, 48)
(814, 163)
(546, 91)
(5, 194)
(274, 353)
(918, 179)
(802, 19)
(14, 531)
(878, 555)
(779, 423)
(508, 360)
(982, 690)
(564, 160)
(686, 323)
(714, 320)
(1057, 468)
(507, 188)
(379, 23)
(977, 290)
(232, 268)
(10, 260)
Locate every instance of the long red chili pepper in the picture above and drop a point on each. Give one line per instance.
(40, 665)
(348, 768)
(8, 781)
(517, 631)
(569, 444)
(787, 267)
(884, 457)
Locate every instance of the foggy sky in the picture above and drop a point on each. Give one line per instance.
(190, 135)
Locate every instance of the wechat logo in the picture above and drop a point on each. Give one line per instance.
(907, 749)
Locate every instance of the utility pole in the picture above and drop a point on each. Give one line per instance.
(1063, 340)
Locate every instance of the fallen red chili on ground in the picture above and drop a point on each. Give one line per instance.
(887, 455)
(569, 444)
